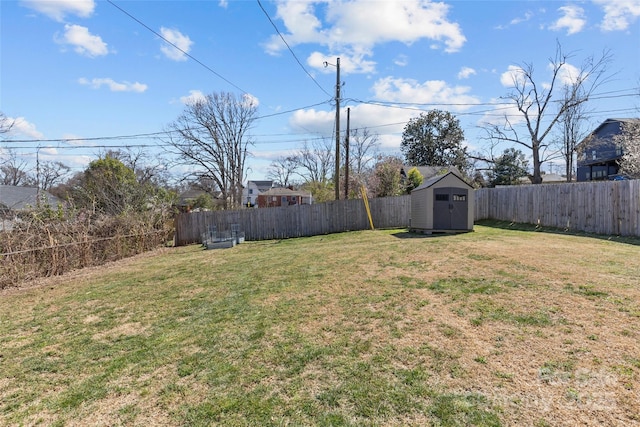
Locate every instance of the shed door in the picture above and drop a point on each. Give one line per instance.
(450, 208)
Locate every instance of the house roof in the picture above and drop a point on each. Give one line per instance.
(262, 185)
(547, 178)
(433, 180)
(186, 197)
(597, 130)
(281, 191)
(22, 198)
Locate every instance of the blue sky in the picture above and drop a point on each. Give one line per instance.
(82, 75)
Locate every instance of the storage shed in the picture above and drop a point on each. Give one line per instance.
(444, 203)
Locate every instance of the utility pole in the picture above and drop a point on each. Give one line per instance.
(346, 156)
(337, 177)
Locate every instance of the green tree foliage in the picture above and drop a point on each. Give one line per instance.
(320, 191)
(509, 168)
(108, 186)
(414, 179)
(203, 201)
(434, 139)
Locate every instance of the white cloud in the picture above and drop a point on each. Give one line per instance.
(573, 20)
(58, 9)
(517, 20)
(390, 120)
(194, 97)
(83, 41)
(349, 63)
(430, 92)
(618, 14)
(22, 127)
(466, 72)
(249, 100)
(113, 86)
(500, 113)
(514, 76)
(568, 74)
(180, 40)
(401, 60)
(355, 27)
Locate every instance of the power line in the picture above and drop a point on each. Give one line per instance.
(181, 50)
(150, 134)
(291, 50)
(385, 104)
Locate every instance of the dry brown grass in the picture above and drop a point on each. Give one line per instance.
(545, 327)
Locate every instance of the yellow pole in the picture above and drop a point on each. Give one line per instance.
(366, 205)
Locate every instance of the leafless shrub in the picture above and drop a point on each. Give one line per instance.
(49, 243)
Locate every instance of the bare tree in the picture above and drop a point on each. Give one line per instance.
(572, 133)
(541, 108)
(51, 174)
(282, 169)
(315, 161)
(149, 169)
(6, 123)
(211, 138)
(14, 170)
(363, 150)
(386, 180)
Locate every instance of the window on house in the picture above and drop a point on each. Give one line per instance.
(459, 197)
(442, 197)
(251, 191)
(594, 154)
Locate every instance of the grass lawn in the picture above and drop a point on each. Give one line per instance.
(496, 327)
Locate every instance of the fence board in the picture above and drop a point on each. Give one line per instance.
(603, 207)
(296, 221)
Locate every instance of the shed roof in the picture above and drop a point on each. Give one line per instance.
(430, 182)
(428, 172)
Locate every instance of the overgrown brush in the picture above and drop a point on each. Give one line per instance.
(46, 242)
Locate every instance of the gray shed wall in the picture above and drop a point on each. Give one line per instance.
(422, 202)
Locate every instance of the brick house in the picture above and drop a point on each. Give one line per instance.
(279, 196)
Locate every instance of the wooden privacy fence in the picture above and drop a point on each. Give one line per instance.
(601, 207)
(296, 221)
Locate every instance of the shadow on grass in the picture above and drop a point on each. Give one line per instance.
(406, 234)
(506, 225)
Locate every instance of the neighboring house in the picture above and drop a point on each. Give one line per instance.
(598, 154)
(16, 199)
(189, 198)
(279, 196)
(547, 178)
(252, 190)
